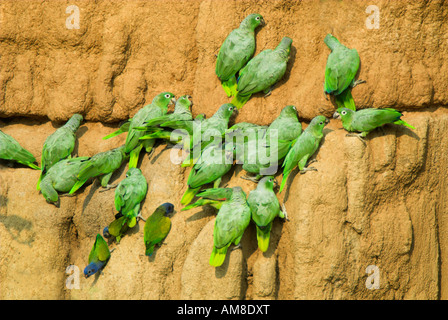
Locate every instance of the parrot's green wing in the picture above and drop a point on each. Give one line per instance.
(118, 228)
(202, 202)
(130, 193)
(179, 125)
(213, 197)
(10, 149)
(103, 163)
(221, 194)
(206, 171)
(236, 50)
(60, 144)
(342, 66)
(100, 250)
(156, 229)
(234, 53)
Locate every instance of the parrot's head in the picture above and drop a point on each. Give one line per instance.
(184, 102)
(343, 114)
(132, 171)
(227, 110)
(331, 41)
(106, 233)
(289, 112)
(317, 125)
(77, 117)
(164, 99)
(253, 20)
(91, 269)
(168, 207)
(284, 48)
(238, 194)
(268, 182)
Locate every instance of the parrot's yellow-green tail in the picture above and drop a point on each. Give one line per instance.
(133, 156)
(33, 166)
(38, 181)
(229, 86)
(404, 123)
(263, 236)
(149, 250)
(77, 185)
(218, 256)
(189, 195)
(157, 135)
(345, 100)
(132, 222)
(239, 101)
(113, 134)
(285, 178)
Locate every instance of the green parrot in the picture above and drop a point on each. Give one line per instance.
(202, 133)
(213, 197)
(102, 164)
(61, 177)
(171, 136)
(157, 227)
(158, 108)
(10, 149)
(235, 52)
(231, 221)
(215, 161)
(129, 193)
(265, 207)
(342, 66)
(286, 128)
(287, 124)
(304, 147)
(98, 257)
(59, 145)
(116, 229)
(262, 72)
(366, 120)
(182, 112)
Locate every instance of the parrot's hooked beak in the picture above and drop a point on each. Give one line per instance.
(276, 185)
(262, 22)
(327, 121)
(336, 115)
(173, 100)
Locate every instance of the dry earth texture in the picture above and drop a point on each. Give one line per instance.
(384, 203)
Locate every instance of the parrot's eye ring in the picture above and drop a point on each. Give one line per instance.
(257, 18)
(294, 108)
(167, 96)
(321, 123)
(344, 113)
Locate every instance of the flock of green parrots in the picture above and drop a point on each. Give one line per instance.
(241, 75)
